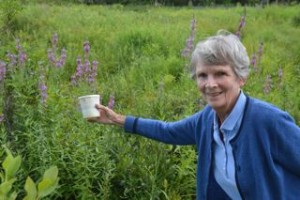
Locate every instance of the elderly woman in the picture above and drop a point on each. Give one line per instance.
(247, 148)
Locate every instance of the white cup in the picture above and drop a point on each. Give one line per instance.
(87, 105)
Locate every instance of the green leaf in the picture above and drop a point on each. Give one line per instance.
(11, 165)
(30, 189)
(13, 196)
(5, 187)
(49, 182)
(46, 187)
(51, 173)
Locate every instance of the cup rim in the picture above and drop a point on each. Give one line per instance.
(88, 96)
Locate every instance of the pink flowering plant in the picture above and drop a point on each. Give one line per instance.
(86, 71)
(54, 60)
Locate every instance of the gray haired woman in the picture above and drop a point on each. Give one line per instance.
(247, 148)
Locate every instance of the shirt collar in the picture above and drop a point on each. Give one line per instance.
(232, 120)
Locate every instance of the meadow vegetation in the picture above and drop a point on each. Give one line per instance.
(48, 52)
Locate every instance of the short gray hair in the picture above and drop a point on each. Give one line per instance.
(222, 49)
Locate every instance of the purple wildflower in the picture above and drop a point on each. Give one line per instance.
(79, 72)
(54, 40)
(51, 56)
(93, 72)
(22, 58)
(268, 84)
(63, 57)
(111, 101)
(56, 62)
(18, 46)
(1, 118)
(43, 89)
(62, 61)
(189, 42)
(2, 70)
(78, 60)
(254, 61)
(73, 80)
(86, 49)
(17, 59)
(260, 49)
(280, 73)
(87, 66)
(242, 22)
(256, 57)
(79, 69)
(85, 71)
(12, 59)
(241, 26)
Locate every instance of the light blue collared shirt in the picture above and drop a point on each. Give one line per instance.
(224, 166)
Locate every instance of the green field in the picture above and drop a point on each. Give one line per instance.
(138, 50)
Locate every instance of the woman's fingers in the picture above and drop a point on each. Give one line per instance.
(106, 114)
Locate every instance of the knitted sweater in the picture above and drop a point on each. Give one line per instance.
(266, 149)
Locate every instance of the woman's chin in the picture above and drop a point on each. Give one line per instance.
(217, 106)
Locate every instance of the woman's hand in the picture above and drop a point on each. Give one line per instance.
(108, 116)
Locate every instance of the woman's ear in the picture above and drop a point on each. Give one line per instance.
(243, 81)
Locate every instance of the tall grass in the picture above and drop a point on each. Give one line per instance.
(140, 63)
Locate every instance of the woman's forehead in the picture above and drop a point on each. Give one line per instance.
(201, 67)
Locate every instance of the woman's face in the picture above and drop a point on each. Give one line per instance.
(219, 86)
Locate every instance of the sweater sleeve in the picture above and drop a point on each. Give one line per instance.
(180, 132)
(287, 141)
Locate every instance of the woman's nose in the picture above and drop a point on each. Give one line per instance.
(210, 82)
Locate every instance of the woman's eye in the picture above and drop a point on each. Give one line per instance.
(201, 75)
(221, 74)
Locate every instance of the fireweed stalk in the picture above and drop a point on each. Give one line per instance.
(16, 60)
(43, 89)
(268, 84)
(2, 71)
(92, 73)
(241, 24)
(111, 101)
(56, 62)
(2, 77)
(22, 57)
(253, 62)
(16, 63)
(189, 42)
(256, 57)
(85, 71)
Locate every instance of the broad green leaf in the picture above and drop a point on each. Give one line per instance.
(51, 173)
(49, 182)
(5, 187)
(11, 165)
(30, 189)
(13, 196)
(46, 187)
(7, 162)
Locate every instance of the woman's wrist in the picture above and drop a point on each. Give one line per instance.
(119, 120)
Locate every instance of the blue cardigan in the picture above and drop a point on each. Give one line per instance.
(266, 149)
